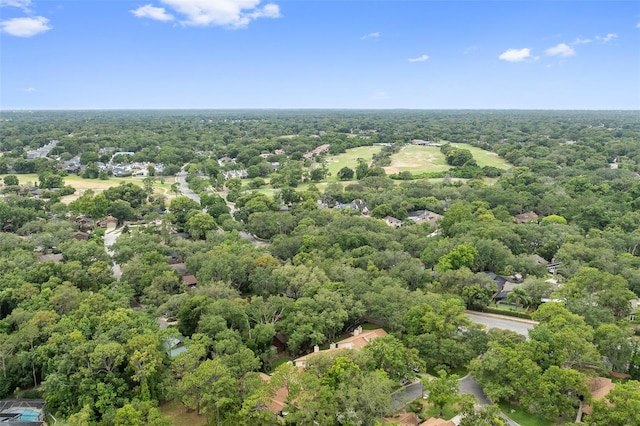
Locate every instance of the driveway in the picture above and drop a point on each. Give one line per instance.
(468, 385)
(405, 395)
(110, 237)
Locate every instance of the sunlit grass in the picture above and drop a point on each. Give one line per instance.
(350, 159)
(519, 415)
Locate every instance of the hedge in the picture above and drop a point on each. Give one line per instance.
(507, 313)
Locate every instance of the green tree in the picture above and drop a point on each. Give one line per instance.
(182, 207)
(556, 393)
(199, 224)
(620, 407)
(518, 296)
(442, 390)
(390, 355)
(463, 255)
(345, 173)
(210, 389)
(362, 169)
(11, 180)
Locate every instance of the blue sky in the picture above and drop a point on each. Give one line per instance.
(319, 54)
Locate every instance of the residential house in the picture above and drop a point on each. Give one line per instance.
(503, 292)
(180, 268)
(189, 281)
(280, 342)
(422, 216)
(420, 142)
(435, 421)
(278, 400)
(57, 258)
(404, 419)
(235, 174)
(174, 346)
(224, 160)
(392, 221)
(635, 309)
(108, 222)
(526, 217)
(359, 205)
(359, 340)
(599, 388)
(81, 236)
(84, 223)
(318, 150)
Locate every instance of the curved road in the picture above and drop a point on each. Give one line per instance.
(181, 178)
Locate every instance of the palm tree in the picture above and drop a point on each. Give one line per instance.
(519, 297)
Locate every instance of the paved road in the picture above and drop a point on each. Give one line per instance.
(184, 188)
(468, 385)
(181, 177)
(405, 395)
(520, 326)
(110, 238)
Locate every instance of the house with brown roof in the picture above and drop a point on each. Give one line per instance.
(189, 281)
(108, 222)
(359, 340)
(404, 419)
(279, 398)
(57, 258)
(526, 217)
(599, 388)
(434, 421)
(81, 236)
(392, 221)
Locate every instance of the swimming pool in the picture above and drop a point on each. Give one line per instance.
(26, 415)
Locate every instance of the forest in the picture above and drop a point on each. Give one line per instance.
(262, 255)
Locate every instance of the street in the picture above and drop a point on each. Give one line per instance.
(520, 326)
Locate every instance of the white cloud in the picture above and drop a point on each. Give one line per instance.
(607, 38)
(370, 35)
(227, 13)
(579, 40)
(638, 25)
(22, 4)
(515, 55)
(419, 58)
(562, 49)
(152, 12)
(25, 27)
(30, 89)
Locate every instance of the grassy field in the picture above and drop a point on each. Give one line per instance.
(180, 415)
(420, 159)
(485, 158)
(417, 159)
(97, 185)
(350, 159)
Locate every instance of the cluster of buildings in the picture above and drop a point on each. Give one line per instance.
(43, 151)
(117, 169)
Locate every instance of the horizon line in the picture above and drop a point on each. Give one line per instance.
(311, 109)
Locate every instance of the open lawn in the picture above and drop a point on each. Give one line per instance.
(97, 185)
(417, 159)
(350, 159)
(180, 415)
(449, 411)
(485, 158)
(421, 159)
(521, 416)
